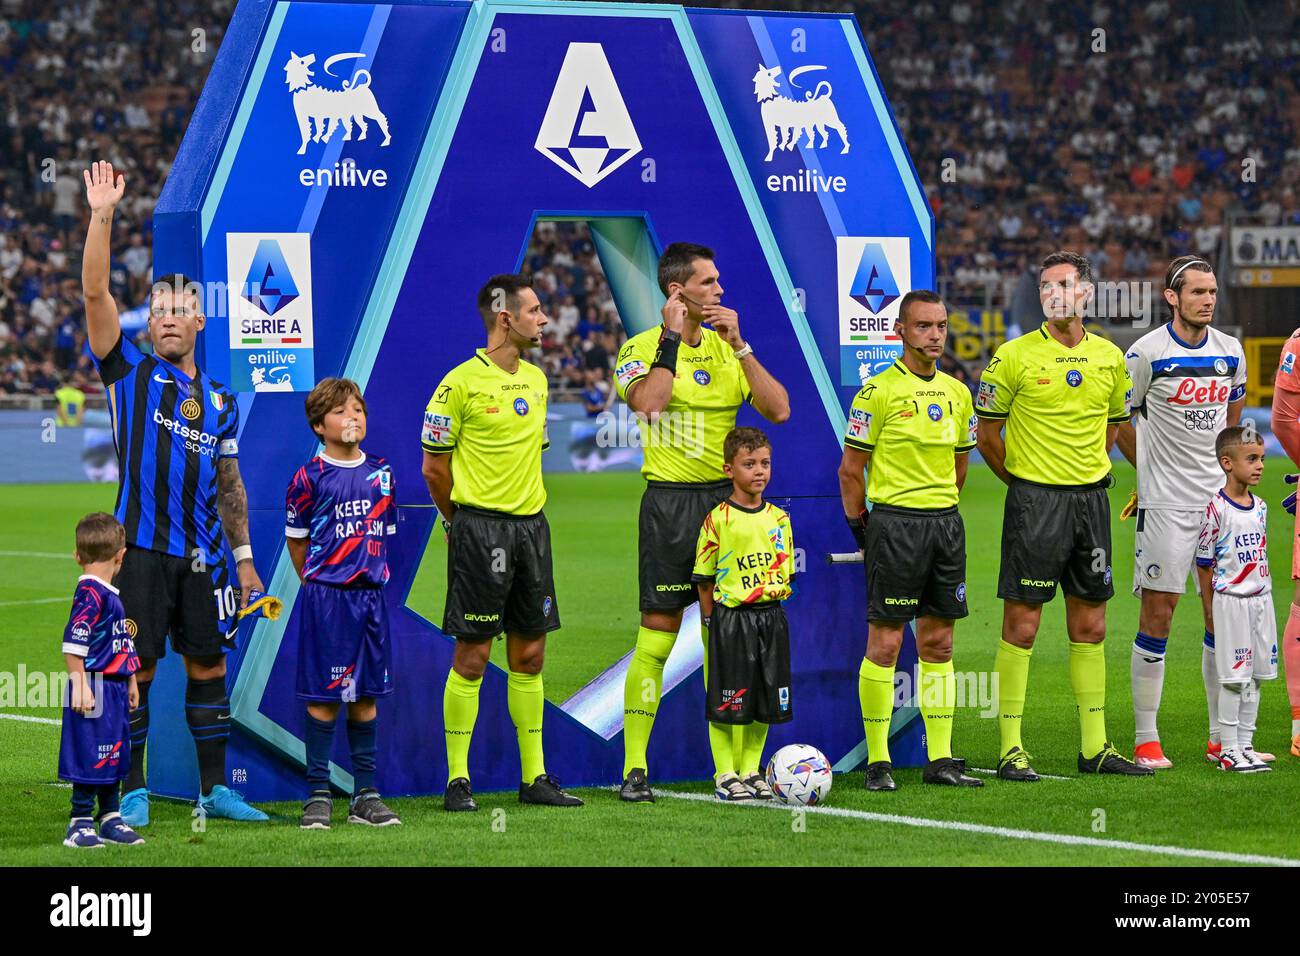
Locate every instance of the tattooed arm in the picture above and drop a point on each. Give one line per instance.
(232, 502)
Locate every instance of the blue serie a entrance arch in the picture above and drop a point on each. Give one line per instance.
(352, 174)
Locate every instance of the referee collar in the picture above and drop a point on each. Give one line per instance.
(1042, 330)
(924, 378)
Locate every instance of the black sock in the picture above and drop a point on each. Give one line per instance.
(361, 743)
(319, 739)
(207, 709)
(83, 800)
(108, 800)
(139, 736)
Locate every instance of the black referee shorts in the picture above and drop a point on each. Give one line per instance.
(749, 665)
(916, 563)
(672, 514)
(499, 575)
(1055, 534)
(164, 594)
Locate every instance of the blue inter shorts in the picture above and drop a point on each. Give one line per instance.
(343, 648)
(97, 749)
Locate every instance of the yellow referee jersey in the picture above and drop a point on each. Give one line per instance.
(1057, 403)
(913, 427)
(685, 443)
(494, 424)
(748, 554)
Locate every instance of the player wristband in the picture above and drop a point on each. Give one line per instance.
(666, 355)
(243, 553)
(746, 349)
(858, 526)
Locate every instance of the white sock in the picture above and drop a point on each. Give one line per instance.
(1210, 677)
(1229, 715)
(1295, 726)
(1249, 711)
(1147, 676)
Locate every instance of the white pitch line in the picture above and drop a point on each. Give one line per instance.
(1007, 832)
(49, 600)
(35, 554)
(54, 721)
(993, 773)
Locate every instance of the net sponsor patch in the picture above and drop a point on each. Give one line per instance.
(629, 372)
(988, 395)
(437, 429)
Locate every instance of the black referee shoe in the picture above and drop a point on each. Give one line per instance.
(459, 797)
(1110, 760)
(545, 791)
(949, 772)
(636, 787)
(879, 776)
(1014, 765)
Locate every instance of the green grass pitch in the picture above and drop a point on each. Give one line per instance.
(1192, 807)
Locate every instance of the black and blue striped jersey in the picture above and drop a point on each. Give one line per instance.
(169, 431)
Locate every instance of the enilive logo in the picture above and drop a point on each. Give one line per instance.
(587, 130)
(787, 120)
(322, 111)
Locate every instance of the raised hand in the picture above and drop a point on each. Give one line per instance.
(674, 312)
(103, 189)
(726, 323)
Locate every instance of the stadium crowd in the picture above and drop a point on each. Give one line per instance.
(1030, 131)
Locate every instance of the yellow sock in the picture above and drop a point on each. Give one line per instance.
(738, 746)
(526, 704)
(876, 695)
(459, 711)
(938, 702)
(1088, 678)
(724, 757)
(755, 735)
(642, 689)
(1012, 668)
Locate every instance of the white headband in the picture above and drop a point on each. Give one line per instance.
(1194, 262)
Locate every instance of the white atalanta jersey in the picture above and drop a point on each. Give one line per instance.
(1234, 544)
(1181, 395)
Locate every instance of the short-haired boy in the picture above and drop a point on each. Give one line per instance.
(339, 510)
(95, 741)
(1232, 564)
(744, 564)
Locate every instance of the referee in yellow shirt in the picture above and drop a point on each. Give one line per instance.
(483, 438)
(1061, 394)
(686, 383)
(913, 427)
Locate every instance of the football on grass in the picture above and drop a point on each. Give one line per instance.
(799, 775)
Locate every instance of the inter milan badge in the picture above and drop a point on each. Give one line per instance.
(702, 377)
(521, 406)
(191, 409)
(936, 413)
(1074, 379)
